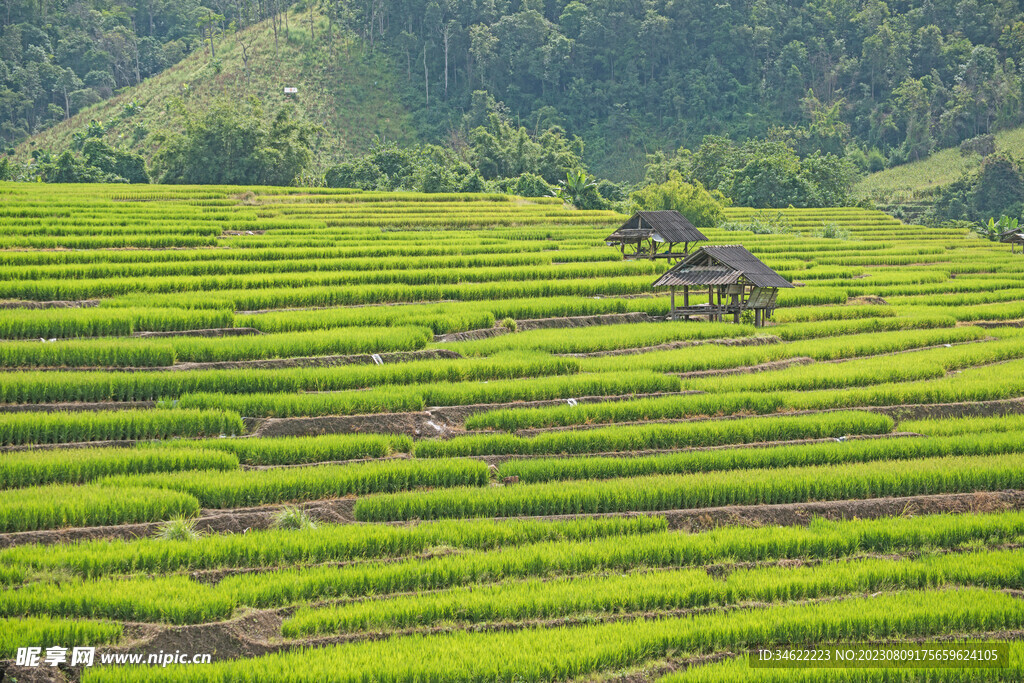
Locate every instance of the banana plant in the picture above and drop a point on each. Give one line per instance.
(576, 189)
(995, 228)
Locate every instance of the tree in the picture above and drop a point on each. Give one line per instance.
(702, 208)
(772, 182)
(530, 185)
(998, 188)
(68, 168)
(120, 163)
(229, 145)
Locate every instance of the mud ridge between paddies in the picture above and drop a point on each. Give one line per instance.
(341, 511)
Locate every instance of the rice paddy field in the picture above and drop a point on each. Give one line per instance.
(322, 435)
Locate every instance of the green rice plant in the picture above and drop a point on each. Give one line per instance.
(636, 410)
(288, 261)
(758, 393)
(342, 341)
(829, 328)
(326, 543)
(811, 314)
(955, 474)
(985, 383)
(228, 489)
(296, 450)
(561, 653)
(162, 352)
(547, 388)
(168, 599)
(604, 338)
(58, 506)
(968, 427)
(365, 294)
(913, 366)
(1013, 310)
(825, 348)
(86, 353)
(101, 322)
(46, 387)
(67, 427)
(75, 466)
(648, 591)
(49, 631)
(820, 540)
(660, 436)
(811, 296)
(830, 453)
(386, 400)
(358, 284)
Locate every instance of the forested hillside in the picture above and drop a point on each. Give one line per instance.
(882, 83)
(632, 76)
(345, 92)
(59, 57)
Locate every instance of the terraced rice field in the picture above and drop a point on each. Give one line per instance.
(451, 438)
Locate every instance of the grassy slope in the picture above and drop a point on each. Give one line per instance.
(909, 181)
(352, 94)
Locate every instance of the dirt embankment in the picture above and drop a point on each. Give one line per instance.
(73, 407)
(801, 514)
(239, 520)
(88, 303)
(748, 369)
(914, 411)
(341, 511)
(444, 422)
(989, 324)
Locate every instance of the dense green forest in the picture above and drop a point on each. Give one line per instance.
(782, 103)
(900, 77)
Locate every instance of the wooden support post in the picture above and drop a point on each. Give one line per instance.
(672, 304)
(686, 299)
(718, 315)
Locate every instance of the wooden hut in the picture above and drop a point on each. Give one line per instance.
(1013, 238)
(646, 232)
(735, 281)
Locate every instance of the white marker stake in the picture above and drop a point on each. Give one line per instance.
(376, 359)
(571, 401)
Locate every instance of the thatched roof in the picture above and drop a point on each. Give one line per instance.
(663, 226)
(723, 265)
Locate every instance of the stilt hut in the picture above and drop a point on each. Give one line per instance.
(1013, 238)
(734, 279)
(655, 235)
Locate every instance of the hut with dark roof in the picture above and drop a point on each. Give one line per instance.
(646, 232)
(735, 280)
(1013, 238)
